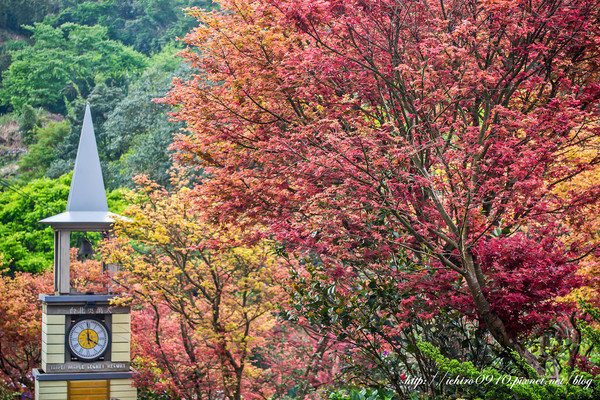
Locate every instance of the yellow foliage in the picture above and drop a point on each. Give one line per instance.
(586, 230)
(203, 272)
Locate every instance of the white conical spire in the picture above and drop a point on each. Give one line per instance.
(87, 186)
(87, 208)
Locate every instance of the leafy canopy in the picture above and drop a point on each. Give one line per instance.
(358, 130)
(146, 25)
(27, 245)
(206, 325)
(65, 63)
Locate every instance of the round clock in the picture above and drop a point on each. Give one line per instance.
(88, 339)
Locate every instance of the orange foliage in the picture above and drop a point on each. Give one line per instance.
(21, 327)
(205, 305)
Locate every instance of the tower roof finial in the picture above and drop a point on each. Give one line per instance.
(87, 208)
(87, 186)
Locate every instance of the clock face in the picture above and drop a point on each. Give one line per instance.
(88, 339)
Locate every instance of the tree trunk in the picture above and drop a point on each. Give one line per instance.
(494, 324)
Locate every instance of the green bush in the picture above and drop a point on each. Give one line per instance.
(463, 380)
(363, 394)
(35, 164)
(28, 121)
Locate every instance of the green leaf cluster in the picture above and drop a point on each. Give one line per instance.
(35, 163)
(363, 394)
(25, 244)
(146, 25)
(15, 13)
(65, 63)
(493, 385)
(590, 332)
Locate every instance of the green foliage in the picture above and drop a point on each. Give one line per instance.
(138, 130)
(117, 200)
(14, 13)
(27, 244)
(363, 394)
(8, 46)
(462, 379)
(43, 152)
(13, 45)
(28, 120)
(590, 332)
(146, 25)
(66, 63)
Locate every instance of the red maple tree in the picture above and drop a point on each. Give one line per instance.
(360, 129)
(21, 328)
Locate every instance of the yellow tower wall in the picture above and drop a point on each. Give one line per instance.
(122, 389)
(53, 339)
(50, 390)
(121, 337)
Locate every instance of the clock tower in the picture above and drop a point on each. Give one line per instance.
(85, 340)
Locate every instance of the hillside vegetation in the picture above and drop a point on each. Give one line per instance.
(58, 55)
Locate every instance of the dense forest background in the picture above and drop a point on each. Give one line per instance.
(54, 57)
